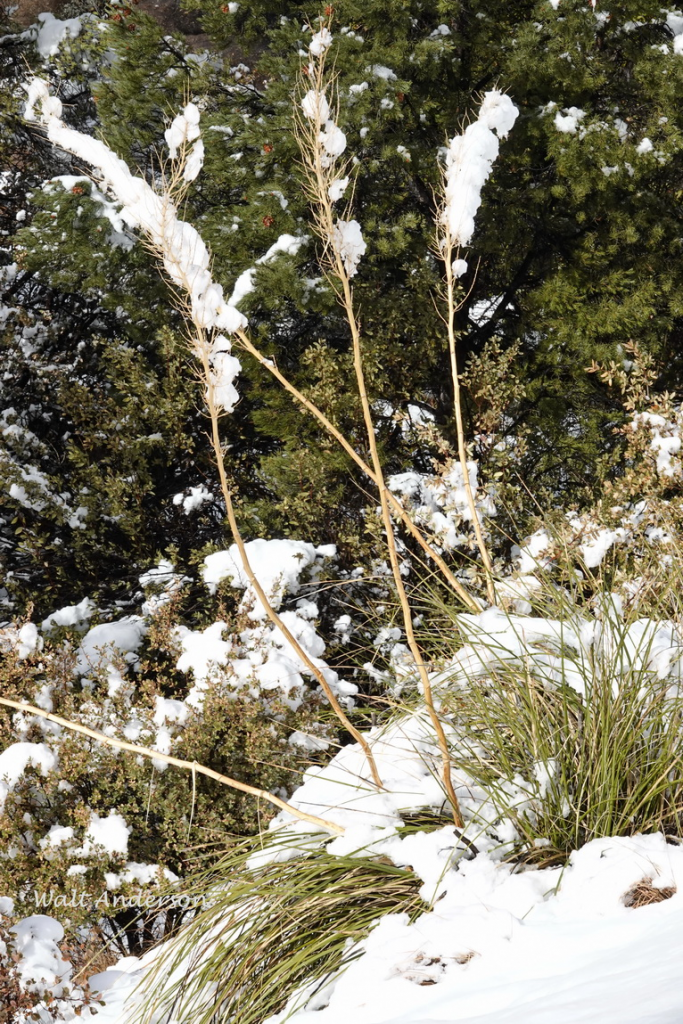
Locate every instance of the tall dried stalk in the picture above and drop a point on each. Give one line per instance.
(193, 766)
(468, 600)
(319, 176)
(202, 350)
(160, 233)
(201, 346)
(448, 255)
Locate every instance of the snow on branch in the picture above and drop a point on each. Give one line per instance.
(468, 165)
(329, 143)
(185, 257)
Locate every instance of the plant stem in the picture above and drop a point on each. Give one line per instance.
(462, 452)
(133, 748)
(397, 508)
(318, 179)
(258, 589)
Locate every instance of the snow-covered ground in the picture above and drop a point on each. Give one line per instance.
(501, 944)
(552, 945)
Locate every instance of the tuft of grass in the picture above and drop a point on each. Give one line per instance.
(275, 934)
(568, 763)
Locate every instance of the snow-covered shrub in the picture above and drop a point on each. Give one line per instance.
(629, 542)
(93, 832)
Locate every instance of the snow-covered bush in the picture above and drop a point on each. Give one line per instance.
(93, 832)
(571, 725)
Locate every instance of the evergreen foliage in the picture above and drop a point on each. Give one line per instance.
(576, 255)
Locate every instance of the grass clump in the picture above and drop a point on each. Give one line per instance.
(276, 933)
(573, 745)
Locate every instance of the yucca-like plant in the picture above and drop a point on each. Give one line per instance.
(575, 731)
(275, 932)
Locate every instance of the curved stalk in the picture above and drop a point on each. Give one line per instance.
(193, 766)
(203, 353)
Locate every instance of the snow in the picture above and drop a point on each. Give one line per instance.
(194, 500)
(674, 21)
(184, 128)
(53, 32)
(568, 121)
(501, 948)
(308, 742)
(665, 439)
(565, 651)
(277, 565)
(495, 943)
(333, 139)
(440, 503)
(315, 106)
(185, 257)
(16, 758)
(258, 658)
(194, 162)
(27, 640)
(223, 370)
(143, 874)
(349, 243)
(382, 72)
(119, 235)
(469, 161)
(531, 554)
(110, 834)
(287, 244)
(102, 643)
(57, 835)
(337, 189)
(71, 615)
(203, 650)
(517, 592)
(40, 965)
(166, 582)
(595, 550)
(320, 42)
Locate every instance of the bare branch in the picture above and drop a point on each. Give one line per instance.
(133, 748)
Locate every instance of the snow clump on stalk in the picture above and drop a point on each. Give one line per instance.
(185, 129)
(315, 106)
(320, 42)
(349, 243)
(347, 237)
(468, 166)
(184, 254)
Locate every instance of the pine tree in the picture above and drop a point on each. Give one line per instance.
(575, 251)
